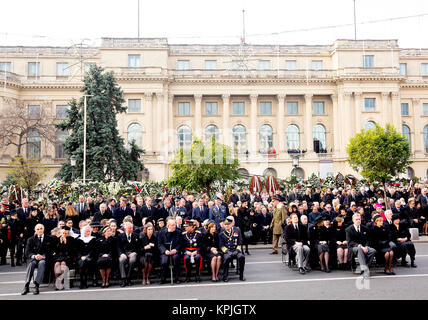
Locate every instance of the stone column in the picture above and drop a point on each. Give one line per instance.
(149, 119)
(282, 146)
(308, 123)
(253, 125)
(172, 144)
(396, 110)
(198, 115)
(160, 125)
(227, 131)
(358, 109)
(347, 120)
(386, 112)
(417, 137)
(337, 137)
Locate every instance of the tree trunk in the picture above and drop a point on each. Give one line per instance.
(385, 197)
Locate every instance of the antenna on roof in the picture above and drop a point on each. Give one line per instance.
(243, 27)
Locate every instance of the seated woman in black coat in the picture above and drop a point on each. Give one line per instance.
(341, 243)
(64, 254)
(379, 239)
(320, 238)
(148, 251)
(104, 248)
(400, 235)
(211, 251)
(85, 245)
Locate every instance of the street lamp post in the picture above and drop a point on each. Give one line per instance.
(73, 164)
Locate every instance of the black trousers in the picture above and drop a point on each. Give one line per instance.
(18, 245)
(406, 248)
(228, 258)
(165, 263)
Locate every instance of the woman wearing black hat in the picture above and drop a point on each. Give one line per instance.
(400, 235)
(64, 255)
(379, 239)
(320, 238)
(148, 251)
(104, 248)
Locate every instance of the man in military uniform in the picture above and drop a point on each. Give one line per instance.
(217, 212)
(191, 244)
(230, 242)
(279, 215)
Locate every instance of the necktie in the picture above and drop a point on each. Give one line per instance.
(129, 238)
(81, 207)
(358, 229)
(200, 208)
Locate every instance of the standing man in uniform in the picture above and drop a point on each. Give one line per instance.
(279, 215)
(230, 243)
(217, 212)
(191, 243)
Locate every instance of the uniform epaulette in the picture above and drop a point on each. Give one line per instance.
(197, 231)
(184, 232)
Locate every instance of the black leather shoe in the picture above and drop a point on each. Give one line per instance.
(36, 290)
(187, 280)
(302, 271)
(25, 291)
(123, 283)
(198, 279)
(242, 278)
(129, 283)
(327, 270)
(94, 283)
(413, 265)
(226, 279)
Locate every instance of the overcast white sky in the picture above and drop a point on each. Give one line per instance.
(22, 22)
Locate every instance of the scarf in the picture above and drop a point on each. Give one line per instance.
(82, 235)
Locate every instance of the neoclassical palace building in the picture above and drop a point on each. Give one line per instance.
(283, 109)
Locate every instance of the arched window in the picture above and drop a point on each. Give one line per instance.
(319, 138)
(426, 139)
(410, 173)
(184, 137)
(406, 132)
(266, 138)
(244, 173)
(293, 141)
(239, 138)
(34, 144)
(298, 172)
(135, 132)
(269, 172)
(61, 136)
(211, 131)
(369, 125)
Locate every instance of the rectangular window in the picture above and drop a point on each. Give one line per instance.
(290, 65)
(404, 109)
(133, 60)
(292, 107)
(319, 107)
(184, 108)
(264, 65)
(134, 105)
(211, 108)
(34, 112)
(88, 66)
(238, 108)
(6, 66)
(368, 62)
(62, 69)
(425, 109)
(316, 64)
(210, 64)
(34, 69)
(265, 108)
(61, 111)
(237, 64)
(183, 64)
(403, 69)
(424, 69)
(369, 104)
